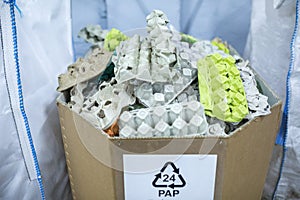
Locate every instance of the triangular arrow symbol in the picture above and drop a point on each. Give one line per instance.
(175, 170)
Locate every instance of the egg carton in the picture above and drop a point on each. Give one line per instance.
(84, 69)
(164, 93)
(126, 61)
(199, 49)
(257, 103)
(153, 65)
(113, 38)
(179, 119)
(221, 89)
(93, 34)
(216, 127)
(151, 58)
(136, 59)
(191, 93)
(101, 105)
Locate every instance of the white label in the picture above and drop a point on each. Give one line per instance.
(169, 176)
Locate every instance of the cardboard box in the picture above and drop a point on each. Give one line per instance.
(95, 161)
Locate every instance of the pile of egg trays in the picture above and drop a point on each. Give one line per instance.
(150, 94)
(179, 119)
(257, 102)
(164, 93)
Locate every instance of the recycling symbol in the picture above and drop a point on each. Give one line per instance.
(164, 180)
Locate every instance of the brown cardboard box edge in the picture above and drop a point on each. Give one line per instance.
(243, 158)
(246, 170)
(83, 169)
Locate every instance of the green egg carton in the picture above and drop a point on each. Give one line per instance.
(113, 38)
(221, 88)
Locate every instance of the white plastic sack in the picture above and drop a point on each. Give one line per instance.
(269, 51)
(269, 42)
(45, 49)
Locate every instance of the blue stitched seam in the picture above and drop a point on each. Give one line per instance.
(284, 123)
(12, 5)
